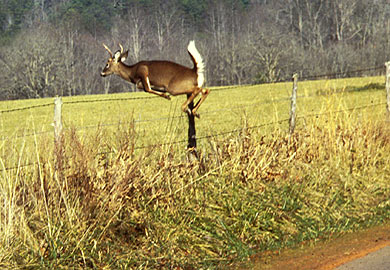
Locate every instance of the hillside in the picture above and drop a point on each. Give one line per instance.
(54, 47)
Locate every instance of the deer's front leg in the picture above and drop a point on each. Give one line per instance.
(147, 87)
(139, 85)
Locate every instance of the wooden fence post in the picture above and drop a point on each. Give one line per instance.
(293, 104)
(58, 138)
(191, 147)
(387, 64)
(57, 118)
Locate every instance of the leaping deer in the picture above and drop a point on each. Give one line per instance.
(160, 77)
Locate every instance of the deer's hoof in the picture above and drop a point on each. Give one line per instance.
(167, 97)
(189, 112)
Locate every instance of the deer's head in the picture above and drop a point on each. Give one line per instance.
(113, 63)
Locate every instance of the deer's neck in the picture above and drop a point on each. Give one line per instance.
(127, 72)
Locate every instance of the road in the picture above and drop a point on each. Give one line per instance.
(378, 260)
(362, 250)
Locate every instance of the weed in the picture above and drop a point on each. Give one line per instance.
(97, 201)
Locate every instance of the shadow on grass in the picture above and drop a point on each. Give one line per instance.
(367, 87)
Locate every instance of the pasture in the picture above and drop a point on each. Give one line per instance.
(119, 193)
(159, 121)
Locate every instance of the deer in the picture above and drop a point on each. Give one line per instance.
(162, 77)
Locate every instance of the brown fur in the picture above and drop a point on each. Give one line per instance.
(164, 77)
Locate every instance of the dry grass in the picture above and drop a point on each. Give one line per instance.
(79, 208)
(96, 201)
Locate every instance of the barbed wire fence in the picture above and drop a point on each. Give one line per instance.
(58, 103)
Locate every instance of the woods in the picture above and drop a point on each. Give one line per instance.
(53, 47)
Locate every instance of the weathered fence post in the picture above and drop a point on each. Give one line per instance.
(58, 138)
(191, 147)
(293, 104)
(387, 64)
(57, 118)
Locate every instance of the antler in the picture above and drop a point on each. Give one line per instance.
(121, 48)
(109, 51)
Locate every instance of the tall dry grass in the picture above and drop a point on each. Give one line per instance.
(97, 202)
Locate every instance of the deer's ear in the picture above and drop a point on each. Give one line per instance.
(124, 56)
(117, 56)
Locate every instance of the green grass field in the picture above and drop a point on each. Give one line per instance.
(103, 200)
(158, 120)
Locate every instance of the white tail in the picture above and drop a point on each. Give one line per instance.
(198, 62)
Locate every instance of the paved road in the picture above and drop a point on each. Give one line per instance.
(379, 260)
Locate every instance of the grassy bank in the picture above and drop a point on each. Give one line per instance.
(99, 201)
(152, 209)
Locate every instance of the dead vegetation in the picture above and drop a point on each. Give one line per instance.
(81, 207)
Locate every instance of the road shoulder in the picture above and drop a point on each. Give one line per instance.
(323, 255)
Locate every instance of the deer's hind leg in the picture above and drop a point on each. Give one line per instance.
(205, 93)
(190, 98)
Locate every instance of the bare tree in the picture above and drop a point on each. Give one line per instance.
(306, 18)
(166, 19)
(35, 64)
(130, 30)
(223, 29)
(341, 15)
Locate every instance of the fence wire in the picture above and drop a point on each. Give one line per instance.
(263, 125)
(222, 88)
(341, 73)
(108, 100)
(224, 133)
(27, 108)
(226, 88)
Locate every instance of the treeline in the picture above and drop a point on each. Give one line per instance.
(53, 47)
